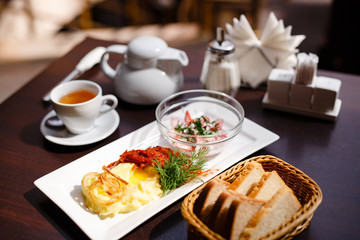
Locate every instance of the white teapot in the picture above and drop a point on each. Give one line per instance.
(150, 72)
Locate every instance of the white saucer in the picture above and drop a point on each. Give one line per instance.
(104, 126)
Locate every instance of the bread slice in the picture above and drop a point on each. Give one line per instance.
(268, 185)
(208, 196)
(276, 211)
(248, 178)
(219, 212)
(241, 210)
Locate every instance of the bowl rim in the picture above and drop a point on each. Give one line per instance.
(232, 131)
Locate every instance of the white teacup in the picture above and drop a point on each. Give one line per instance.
(84, 104)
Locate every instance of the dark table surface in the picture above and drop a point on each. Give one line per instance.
(328, 152)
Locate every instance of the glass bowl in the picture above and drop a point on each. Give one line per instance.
(220, 116)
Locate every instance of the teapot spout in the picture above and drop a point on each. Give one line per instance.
(174, 55)
(172, 62)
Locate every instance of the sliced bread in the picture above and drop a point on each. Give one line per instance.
(241, 210)
(275, 212)
(208, 196)
(219, 212)
(248, 178)
(268, 185)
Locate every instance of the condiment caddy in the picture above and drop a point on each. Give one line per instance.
(302, 91)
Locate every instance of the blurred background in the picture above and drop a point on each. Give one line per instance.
(35, 32)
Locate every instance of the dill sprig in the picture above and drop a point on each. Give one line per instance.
(180, 169)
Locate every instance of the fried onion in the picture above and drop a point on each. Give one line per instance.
(113, 185)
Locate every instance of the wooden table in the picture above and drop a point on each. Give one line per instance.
(329, 152)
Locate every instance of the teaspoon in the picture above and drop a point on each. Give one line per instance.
(54, 122)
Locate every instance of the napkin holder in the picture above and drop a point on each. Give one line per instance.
(276, 48)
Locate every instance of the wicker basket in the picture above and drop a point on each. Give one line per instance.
(305, 189)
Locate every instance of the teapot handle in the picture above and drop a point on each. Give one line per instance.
(107, 69)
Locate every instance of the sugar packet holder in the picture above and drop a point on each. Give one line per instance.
(302, 91)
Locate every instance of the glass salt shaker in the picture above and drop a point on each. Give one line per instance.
(220, 70)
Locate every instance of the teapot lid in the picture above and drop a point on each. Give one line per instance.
(146, 47)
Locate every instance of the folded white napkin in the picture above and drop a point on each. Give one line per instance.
(276, 48)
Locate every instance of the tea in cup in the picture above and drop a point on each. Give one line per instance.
(79, 103)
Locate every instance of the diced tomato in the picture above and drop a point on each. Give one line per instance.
(191, 126)
(218, 124)
(221, 137)
(173, 135)
(174, 122)
(200, 140)
(203, 123)
(188, 119)
(183, 146)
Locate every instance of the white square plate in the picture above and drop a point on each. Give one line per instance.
(63, 186)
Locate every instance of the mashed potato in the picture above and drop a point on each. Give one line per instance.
(107, 195)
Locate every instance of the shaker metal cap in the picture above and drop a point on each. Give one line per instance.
(220, 46)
